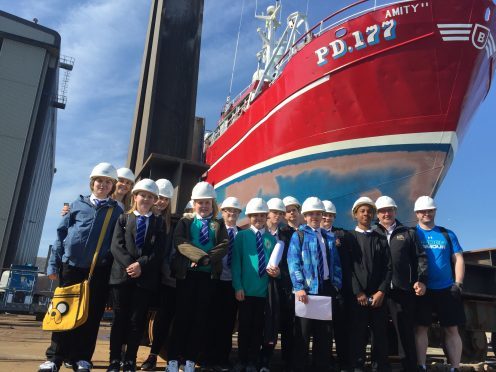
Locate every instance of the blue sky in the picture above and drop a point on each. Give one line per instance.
(106, 38)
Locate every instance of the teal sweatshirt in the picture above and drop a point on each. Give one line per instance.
(244, 265)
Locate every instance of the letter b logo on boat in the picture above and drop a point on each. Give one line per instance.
(479, 36)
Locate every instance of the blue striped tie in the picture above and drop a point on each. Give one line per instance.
(261, 255)
(140, 232)
(100, 203)
(204, 238)
(320, 266)
(230, 245)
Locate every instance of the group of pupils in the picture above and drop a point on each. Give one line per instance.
(208, 272)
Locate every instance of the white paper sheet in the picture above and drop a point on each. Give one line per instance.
(276, 254)
(318, 307)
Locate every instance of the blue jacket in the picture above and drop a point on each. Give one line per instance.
(78, 233)
(303, 261)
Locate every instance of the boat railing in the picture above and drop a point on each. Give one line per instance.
(336, 18)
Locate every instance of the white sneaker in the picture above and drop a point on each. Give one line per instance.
(84, 366)
(190, 366)
(172, 366)
(48, 366)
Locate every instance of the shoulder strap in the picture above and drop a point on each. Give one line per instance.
(103, 231)
(301, 235)
(444, 231)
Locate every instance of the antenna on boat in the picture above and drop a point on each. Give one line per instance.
(235, 52)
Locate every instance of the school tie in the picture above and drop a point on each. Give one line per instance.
(320, 266)
(140, 232)
(204, 232)
(100, 203)
(230, 245)
(261, 255)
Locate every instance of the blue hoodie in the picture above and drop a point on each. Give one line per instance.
(78, 233)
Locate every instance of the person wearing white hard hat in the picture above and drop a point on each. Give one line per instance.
(409, 262)
(200, 242)
(315, 269)
(70, 261)
(225, 306)
(250, 277)
(282, 232)
(167, 292)
(444, 284)
(137, 247)
(329, 215)
(371, 274)
(293, 208)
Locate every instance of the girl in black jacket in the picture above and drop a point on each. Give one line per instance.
(136, 247)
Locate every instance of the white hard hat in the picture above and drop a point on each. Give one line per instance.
(189, 205)
(256, 205)
(312, 204)
(276, 204)
(231, 202)
(363, 200)
(424, 203)
(165, 188)
(104, 170)
(289, 200)
(385, 202)
(126, 173)
(329, 206)
(146, 184)
(203, 190)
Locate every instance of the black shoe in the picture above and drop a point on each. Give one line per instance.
(421, 369)
(129, 366)
(114, 366)
(150, 363)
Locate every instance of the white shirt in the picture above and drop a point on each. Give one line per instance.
(362, 231)
(226, 271)
(255, 230)
(389, 230)
(320, 239)
(147, 221)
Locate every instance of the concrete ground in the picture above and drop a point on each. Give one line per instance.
(23, 344)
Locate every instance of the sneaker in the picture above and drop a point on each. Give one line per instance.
(172, 366)
(114, 366)
(264, 369)
(189, 366)
(129, 366)
(48, 366)
(150, 363)
(69, 364)
(83, 366)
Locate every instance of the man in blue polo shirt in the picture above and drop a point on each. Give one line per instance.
(443, 294)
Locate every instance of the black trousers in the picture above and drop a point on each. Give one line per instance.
(224, 311)
(130, 305)
(251, 326)
(402, 309)
(375, 318)
(79, 344)
(321, 331)
(191, 325)
(342, 321)
(164, 318)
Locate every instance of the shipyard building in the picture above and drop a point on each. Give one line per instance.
(29, 77)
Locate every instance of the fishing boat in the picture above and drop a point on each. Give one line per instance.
(373, 100)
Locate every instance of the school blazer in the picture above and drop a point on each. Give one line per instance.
(125, 252)
(187, 252)
(376, 257)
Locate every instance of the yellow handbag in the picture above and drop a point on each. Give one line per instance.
(69, 306)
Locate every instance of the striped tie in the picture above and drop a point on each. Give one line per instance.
(320, 267)
(100, 203)
(261, 255)
(140, 232)
(204, 232)
(230, 245)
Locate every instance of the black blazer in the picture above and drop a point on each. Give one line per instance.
(124, 250)
(371, 268)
